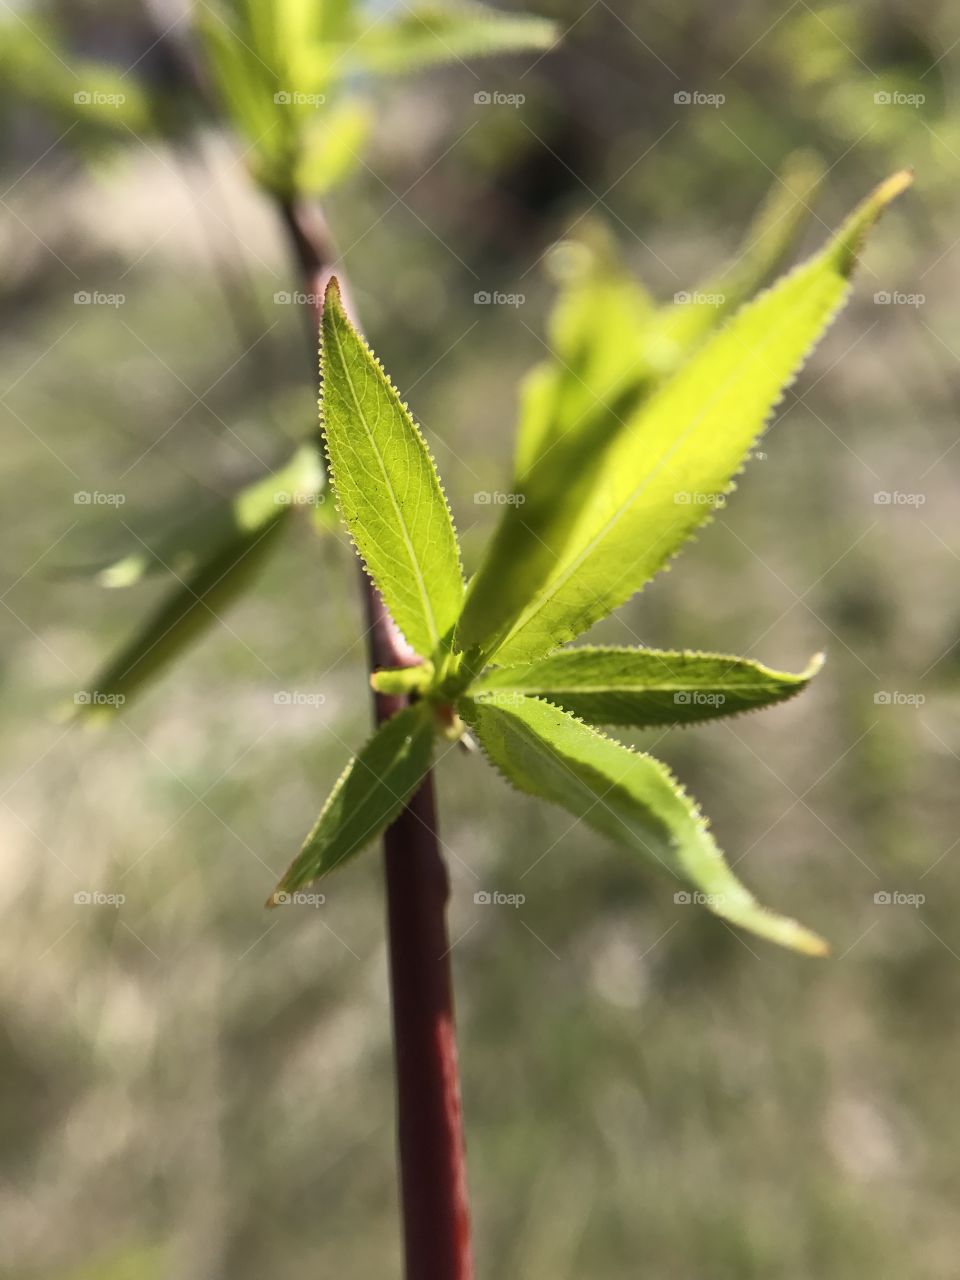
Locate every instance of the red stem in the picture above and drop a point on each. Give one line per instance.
(433, 1178)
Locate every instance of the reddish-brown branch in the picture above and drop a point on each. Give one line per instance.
(433, 1182)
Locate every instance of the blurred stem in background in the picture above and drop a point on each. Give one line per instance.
(434, 1202)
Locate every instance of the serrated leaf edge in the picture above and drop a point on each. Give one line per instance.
(333, 291)
(806, 941)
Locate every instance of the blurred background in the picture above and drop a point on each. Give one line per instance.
(195, 1088)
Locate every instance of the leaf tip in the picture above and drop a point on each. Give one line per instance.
(849, 241)
(814, 666)
(333, 294)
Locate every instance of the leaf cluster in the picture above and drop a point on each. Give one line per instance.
(612, 484)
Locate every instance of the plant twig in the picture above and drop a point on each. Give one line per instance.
(433, 1182)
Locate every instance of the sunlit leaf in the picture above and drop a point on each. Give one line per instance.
(333, 147)
(628, 796)
(418, 35)
(187, 611)
(369, 794)
(180, 547)
(642, 687)
(596, 336)
(387, 487)
(677, 329)
(34, 61)
(549, 576)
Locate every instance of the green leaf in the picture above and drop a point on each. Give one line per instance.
(369, 794)
(628, 796)
(643, 687)
(387, 487)
(244, 82)
(185, 613)
(181, 547)
(678, 329)
(596, 338)
(35, 62)
(332, 147)
(608, 341)
(549, 576)
(424, 34)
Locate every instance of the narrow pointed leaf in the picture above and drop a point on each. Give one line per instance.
(189, 610)
(181, 546)
(369, 794)
(596, 338)
(387, 487)
(423, 34)
(626, 795)
(610, 344)
(547, 580)
(644, 687)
